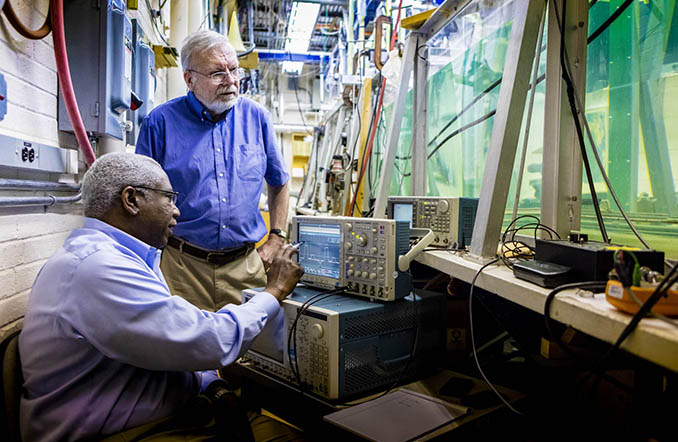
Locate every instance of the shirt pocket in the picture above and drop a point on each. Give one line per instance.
(250, 162)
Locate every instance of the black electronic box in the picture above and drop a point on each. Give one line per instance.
(591, 260)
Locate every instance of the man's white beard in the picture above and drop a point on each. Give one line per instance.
(218, 106)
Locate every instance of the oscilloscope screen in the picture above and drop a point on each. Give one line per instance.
(320, 252)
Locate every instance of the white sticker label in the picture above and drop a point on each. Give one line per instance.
(616, 291)
(128, 63)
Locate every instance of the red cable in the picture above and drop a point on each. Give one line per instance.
(63, 71)
(376, 115)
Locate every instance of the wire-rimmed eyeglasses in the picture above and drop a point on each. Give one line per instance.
(221, 76)
(170, 194)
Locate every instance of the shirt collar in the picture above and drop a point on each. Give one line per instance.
(148, 253)
(199, 110)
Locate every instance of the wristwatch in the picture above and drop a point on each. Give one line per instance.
(281, 233)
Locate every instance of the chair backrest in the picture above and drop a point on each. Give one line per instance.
(10, 387)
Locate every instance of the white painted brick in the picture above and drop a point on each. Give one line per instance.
(7, 284)
(30, 98)
(37, 248)
(36, 225)
(13, 308)
(21, 65)
(8, 255)
(25, 275)
(31, 124)
(8, 228)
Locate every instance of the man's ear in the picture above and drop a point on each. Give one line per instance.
(188, 78)
(130, 200)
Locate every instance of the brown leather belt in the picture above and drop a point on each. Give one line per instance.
(218, 257)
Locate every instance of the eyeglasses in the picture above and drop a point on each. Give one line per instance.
(171, 195)
(220, 77)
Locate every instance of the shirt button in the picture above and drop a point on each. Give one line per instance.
(224, 227)
(218, 150)
(221, 174)
(223, 200)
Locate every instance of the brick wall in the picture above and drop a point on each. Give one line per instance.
(28, 236)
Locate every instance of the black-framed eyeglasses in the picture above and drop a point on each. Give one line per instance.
(170, 194)
(220, 77)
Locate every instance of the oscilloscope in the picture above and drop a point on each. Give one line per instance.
(345, 345)
(367, 256)
(451, 219)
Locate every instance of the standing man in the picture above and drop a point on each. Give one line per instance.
(217, 149)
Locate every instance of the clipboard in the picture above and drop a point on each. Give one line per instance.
(400, 416)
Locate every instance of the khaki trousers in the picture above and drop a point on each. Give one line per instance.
(210, 286)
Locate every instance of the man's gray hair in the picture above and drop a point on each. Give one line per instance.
(198, 42)
(111, 173)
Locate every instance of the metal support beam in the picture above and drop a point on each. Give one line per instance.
(506, 129)
(419, 120)
(414, 39)
(561, 161)
(441, 17)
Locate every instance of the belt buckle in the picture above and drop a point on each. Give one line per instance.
(209, 256)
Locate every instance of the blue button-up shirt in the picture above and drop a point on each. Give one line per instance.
(105, 346)
(218, 167)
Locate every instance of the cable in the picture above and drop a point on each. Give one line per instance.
(607, 22)
(589, 285)
(473, 342)
(292, 336)
(594, 149)
(577, 125)
(38, 34)
(467, 107)
(460, 130)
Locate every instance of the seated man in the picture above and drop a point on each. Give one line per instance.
(105, 347)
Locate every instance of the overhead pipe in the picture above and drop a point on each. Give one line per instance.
(48, 200)
(6, 183)
(65, 83)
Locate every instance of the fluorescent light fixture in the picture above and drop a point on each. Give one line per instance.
(300, 27)
(292, 67)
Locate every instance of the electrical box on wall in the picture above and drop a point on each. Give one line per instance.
(143, 79)
(3, 95)
(99, 43)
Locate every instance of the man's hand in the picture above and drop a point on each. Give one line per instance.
(284, 273)
(268, 250)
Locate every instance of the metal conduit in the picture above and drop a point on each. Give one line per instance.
(38, 185)
(48, 200)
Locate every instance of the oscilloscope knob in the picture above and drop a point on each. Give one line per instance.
(362, 240)
(317, 331)
(349, 226)
(443, 206)
(373, 275)
(374, 250)
(348, 245)
(350, 272)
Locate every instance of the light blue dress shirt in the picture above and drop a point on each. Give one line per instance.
(105, 346)
(218, 168)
